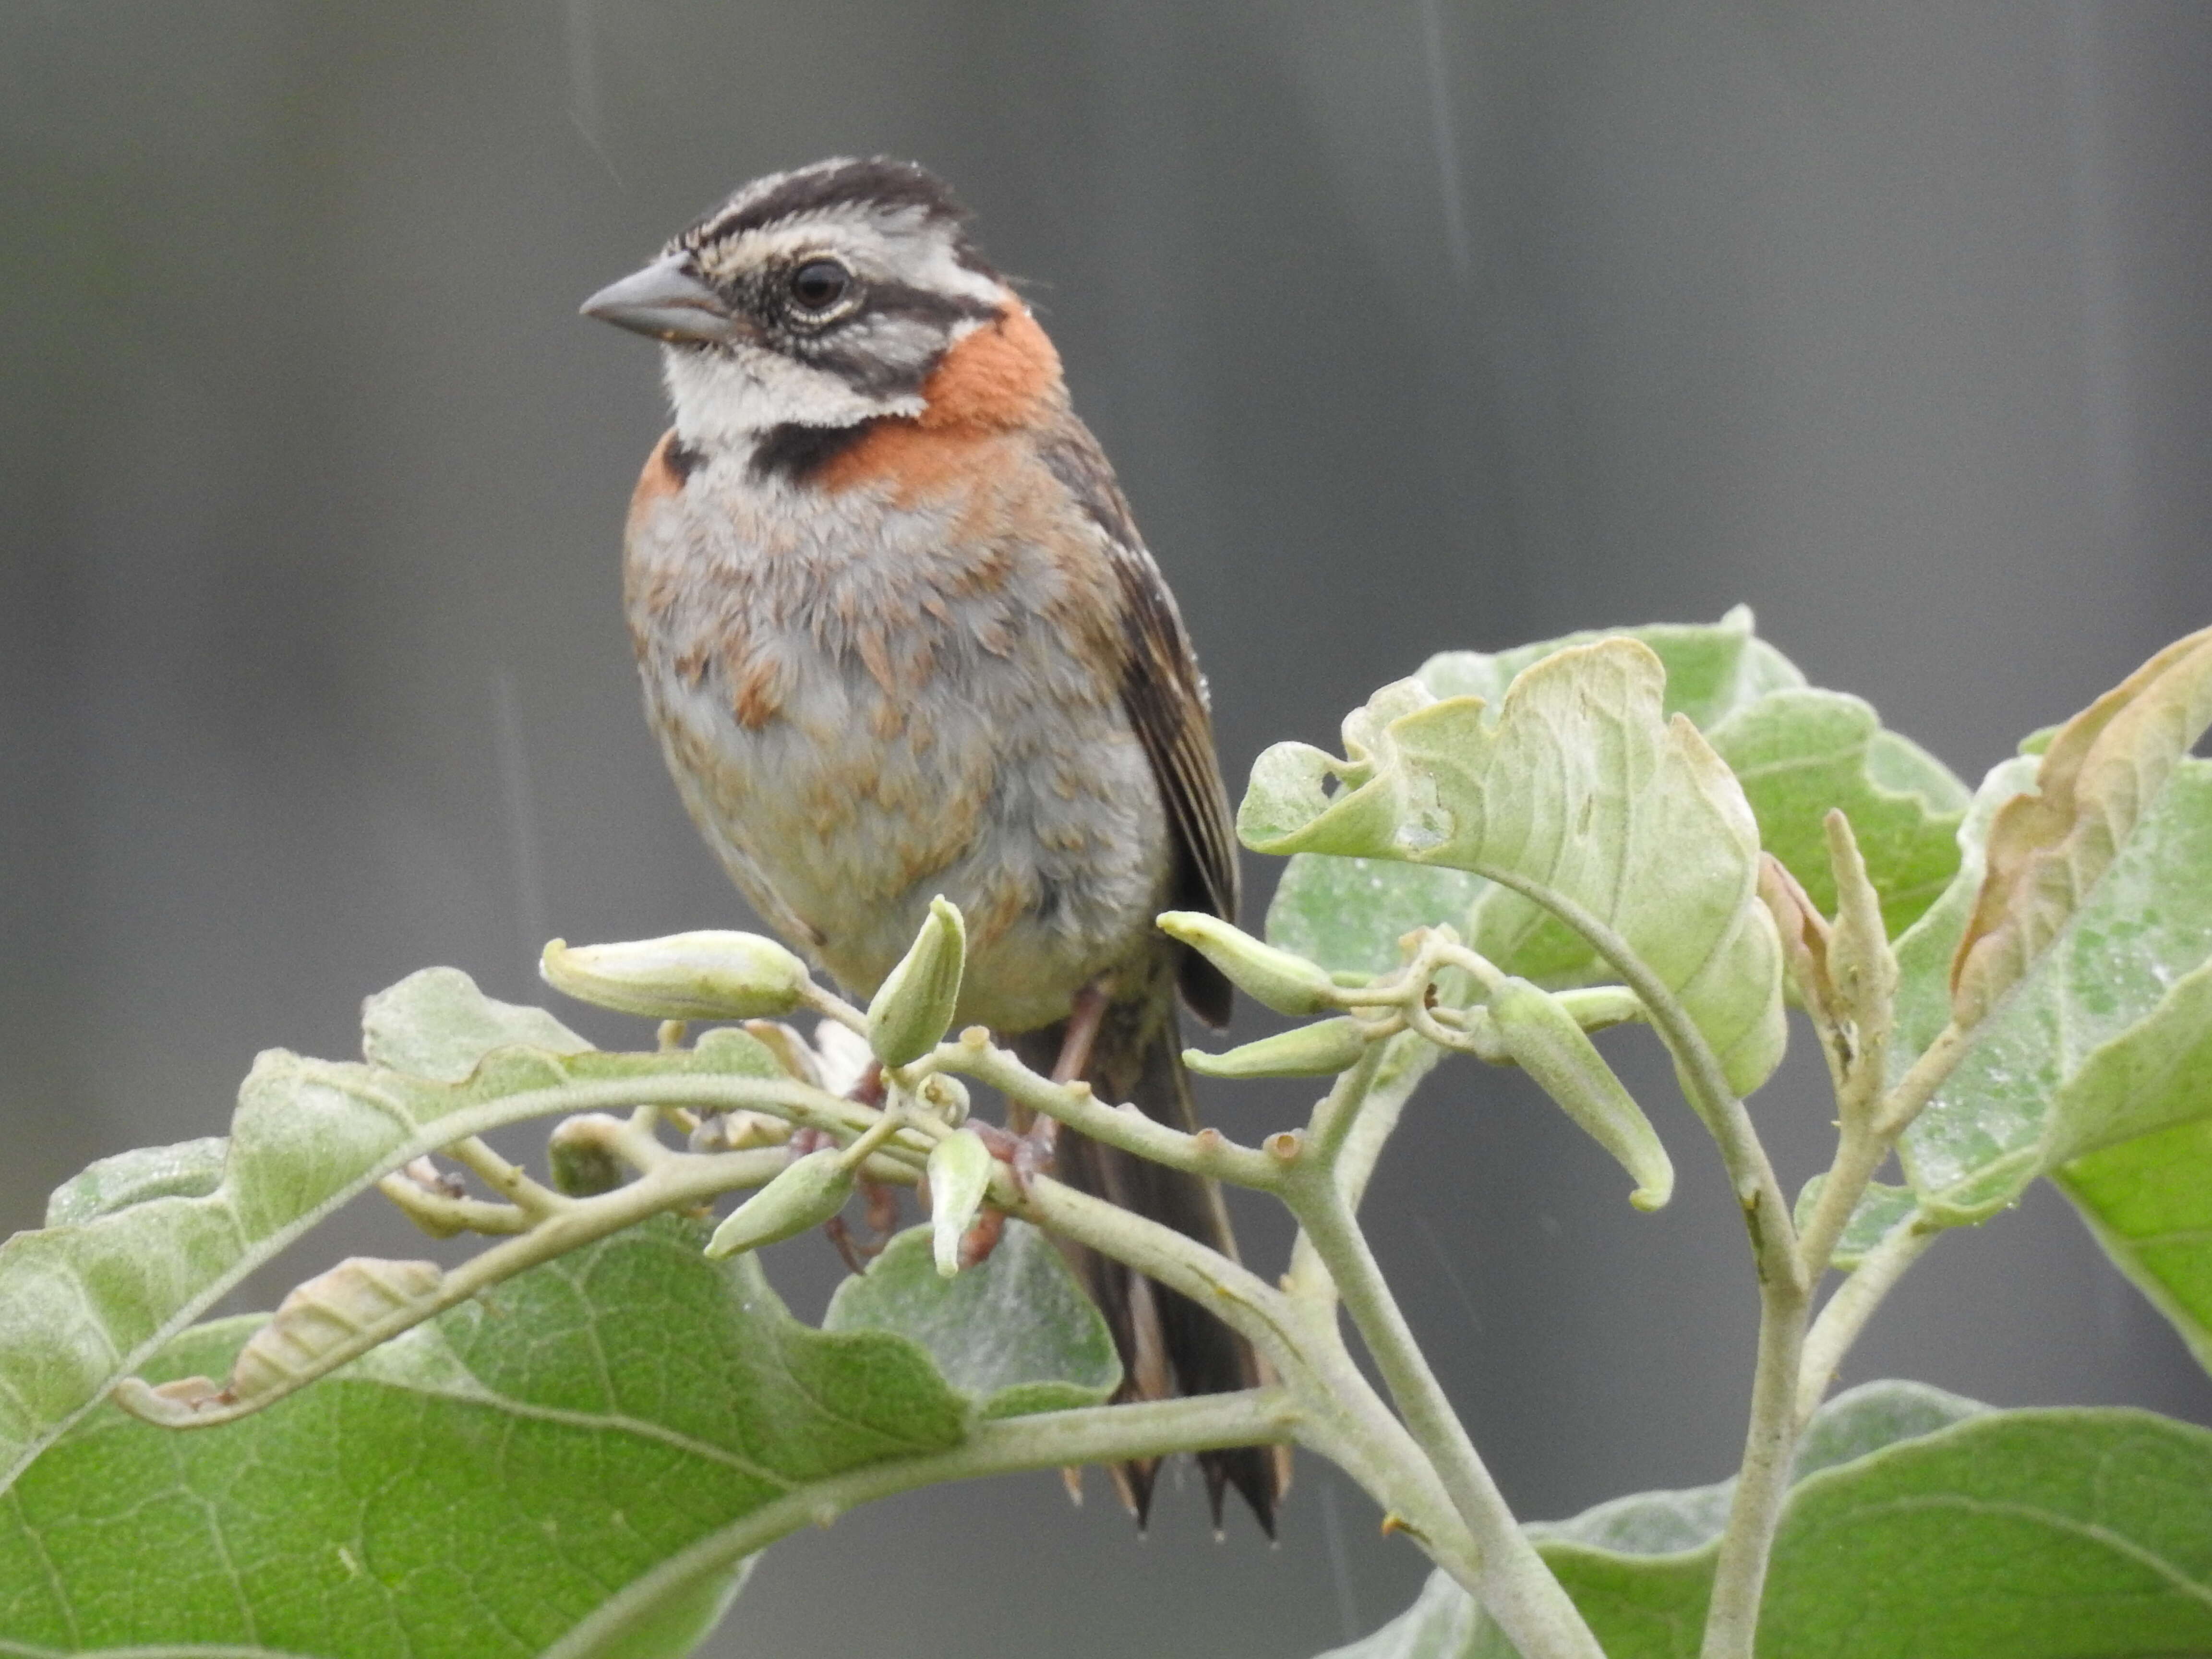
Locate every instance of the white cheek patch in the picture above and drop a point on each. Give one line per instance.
(732, 397)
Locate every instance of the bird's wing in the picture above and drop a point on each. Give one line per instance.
(1165, 695)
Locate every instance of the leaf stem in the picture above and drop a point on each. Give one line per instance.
(1097, 1434)
(1515, 1586)
(1206, 1153)
(683, 1180)
(1784, 1286)
(1922, 1079)
(1763, 1480)
(1846, 1312)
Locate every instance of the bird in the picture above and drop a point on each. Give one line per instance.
(899, 637)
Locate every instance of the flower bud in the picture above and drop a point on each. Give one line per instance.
(1544, 1039)
(1320, 1050)
(806, 1193)
(959, 1174)
(914, 1004)
(704, 975)
(577, 1155)
(1288, 983)
(945, 1095)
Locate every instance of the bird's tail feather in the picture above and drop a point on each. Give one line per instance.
(1168, 1345)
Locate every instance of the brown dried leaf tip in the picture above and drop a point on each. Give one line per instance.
(2048, 848)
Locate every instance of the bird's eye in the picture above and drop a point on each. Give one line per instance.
(819, 284)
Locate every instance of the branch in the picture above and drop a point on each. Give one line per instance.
(1205, 1153)
(683, 1180)
(1848, 1310)
(1784, 1286)
(1097, 1434)
(1513, 1585)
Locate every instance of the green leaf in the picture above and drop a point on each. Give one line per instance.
(191, 1169)
(2105, 1035)
(1349, 914)
(1015, 1332)
(1877, 1213)
(435, 1024)
(1798, 752)
(1922, 1527)
(1577, 791)
(478, 1487)
(2049, 849)
(138, 1254)
(2150, 1203)
(1713, 669)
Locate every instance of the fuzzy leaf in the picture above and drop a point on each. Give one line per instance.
(2107, 1034)
(479, 1487)
(1348, 914)
(86, 1302)
(1922, 1527)
(1576, 789)
(2048, 848)
(435, 1024)
(1014, 1333)
(191, 1169)
(1799, 752)
(1879, 1211)
(2150, 1203)
(1713, 669)
(313, 1324)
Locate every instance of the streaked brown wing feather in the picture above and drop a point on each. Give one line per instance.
(1165, 695)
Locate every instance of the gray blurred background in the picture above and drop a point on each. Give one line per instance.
(1413, 325)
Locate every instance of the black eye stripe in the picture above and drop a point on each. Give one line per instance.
(926, 304)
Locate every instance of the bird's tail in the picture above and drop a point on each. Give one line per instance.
(1168, 1345)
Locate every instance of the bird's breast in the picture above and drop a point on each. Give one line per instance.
(869, 695)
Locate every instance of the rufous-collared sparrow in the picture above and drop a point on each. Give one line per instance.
(899, 637)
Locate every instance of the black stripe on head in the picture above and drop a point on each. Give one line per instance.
(879, 183)
(795, 454)
(926, 305)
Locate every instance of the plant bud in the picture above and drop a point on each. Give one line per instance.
(1288, 983)
(959, 1174)
(945, 1095)
(1545, 1041)
(712, 975)
(1320, 1050)
(914, 1004)
(807, 1193)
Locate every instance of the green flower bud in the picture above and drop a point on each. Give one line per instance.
(1545, 1041)
(1332, 1045)
(914, 1004)
(959, 1174)
(1289, 984)
(577, 1155)
(704, 976)
(808, 1192)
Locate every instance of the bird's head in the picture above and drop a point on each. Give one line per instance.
(823, 297)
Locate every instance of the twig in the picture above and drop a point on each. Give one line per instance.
(1206, 1153)
(1097, 1434)
(1513, 1583)
(1848, 1310)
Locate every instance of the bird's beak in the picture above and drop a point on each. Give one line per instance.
(667, 302)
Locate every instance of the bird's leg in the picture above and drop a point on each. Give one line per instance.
(1077, 1039)
(881, 1211)
(1087, 1014)
(1027, 1147)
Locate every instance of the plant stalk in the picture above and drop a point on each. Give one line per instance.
(1513, 1585)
